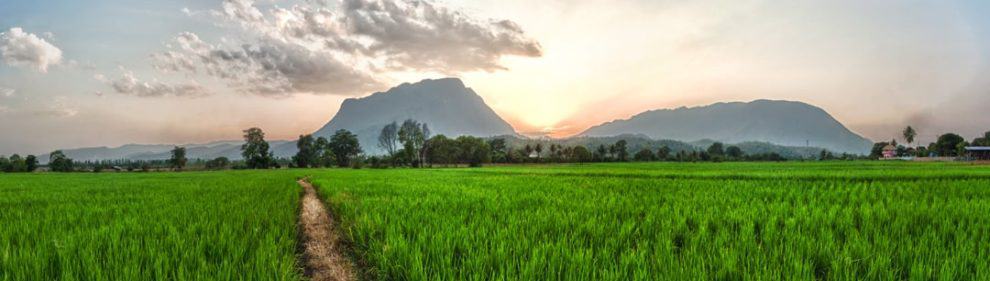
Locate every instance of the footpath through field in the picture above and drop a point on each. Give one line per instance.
(324, 255)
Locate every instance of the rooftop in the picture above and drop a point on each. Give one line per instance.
(978, 148)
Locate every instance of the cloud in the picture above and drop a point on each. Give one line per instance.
(7, 92)
(19, 48)
(311, 48)
(267, 68)
(128, 84)
(424, 36)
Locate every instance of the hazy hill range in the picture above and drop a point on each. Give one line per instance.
(445, 105)
(792, 129)
(783, 123)
(638, 142)
(229, 149)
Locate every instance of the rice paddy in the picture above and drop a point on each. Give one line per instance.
(629, 221)
(729, 221)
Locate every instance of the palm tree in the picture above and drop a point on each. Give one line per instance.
(909, 135)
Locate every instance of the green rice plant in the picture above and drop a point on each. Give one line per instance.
(665, 221)
(149, 226)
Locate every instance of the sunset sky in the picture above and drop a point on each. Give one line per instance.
(106, 73)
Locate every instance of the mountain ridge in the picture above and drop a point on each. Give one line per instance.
(788, 123)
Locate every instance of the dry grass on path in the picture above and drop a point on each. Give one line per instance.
(324, 254)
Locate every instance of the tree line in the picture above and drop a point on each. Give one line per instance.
(946, 145)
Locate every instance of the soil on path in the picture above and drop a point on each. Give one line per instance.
(324, 254)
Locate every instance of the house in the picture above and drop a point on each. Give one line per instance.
(978, 152)
(889, 152)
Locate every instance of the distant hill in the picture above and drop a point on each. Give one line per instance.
(229, 149)
(636, 143)
(784, 123)
(445, 105)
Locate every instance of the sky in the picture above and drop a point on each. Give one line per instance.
(114, 72)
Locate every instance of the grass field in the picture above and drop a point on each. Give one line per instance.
(728, 221)
(649, 221)
(152, 226)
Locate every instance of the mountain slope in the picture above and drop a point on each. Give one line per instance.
(445, 105)
(779, 122)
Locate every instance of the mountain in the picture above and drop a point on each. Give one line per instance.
(784, 123)
(445, 105)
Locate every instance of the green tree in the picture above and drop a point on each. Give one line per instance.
(499, 150)
(345, 147)
(308, 153)
(621, 151)
(473, 151)
(734, 152)
(5, 165)
(716, 149)
(255, 150)
(982, 141)
(581, 154)
(825, 155)
(663, 153)
(58, 162)
(31, 163)
(644, 155)
(413, 136)
(947, 144)
(325, 156)
(442, 150)
(909, 135)
(178, 159)
(218, 163)
(601, 153)
(18, 164)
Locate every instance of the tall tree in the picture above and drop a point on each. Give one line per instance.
(325, 156)
(982, 141)
(31, 163)
(947, 144)
(388, 137)
(601, 153)
(644, 155)
(716, 149)
(178, 159)
(663, 153)
(345, 147)
(622, 153)
(473, 151)
(734, 152)
(442, 150)
(499, 150)
(5, 165)
(58, 162)
(255, 150)
(412, 136)
(581, 154)
(308, 153)
(909, 135)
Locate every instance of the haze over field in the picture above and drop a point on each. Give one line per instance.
(115, 72)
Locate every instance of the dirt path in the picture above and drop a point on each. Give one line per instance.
(323, 250)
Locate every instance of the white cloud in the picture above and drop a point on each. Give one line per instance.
(19, 48)
(7, 92)
(128, 84)
(310, 48)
